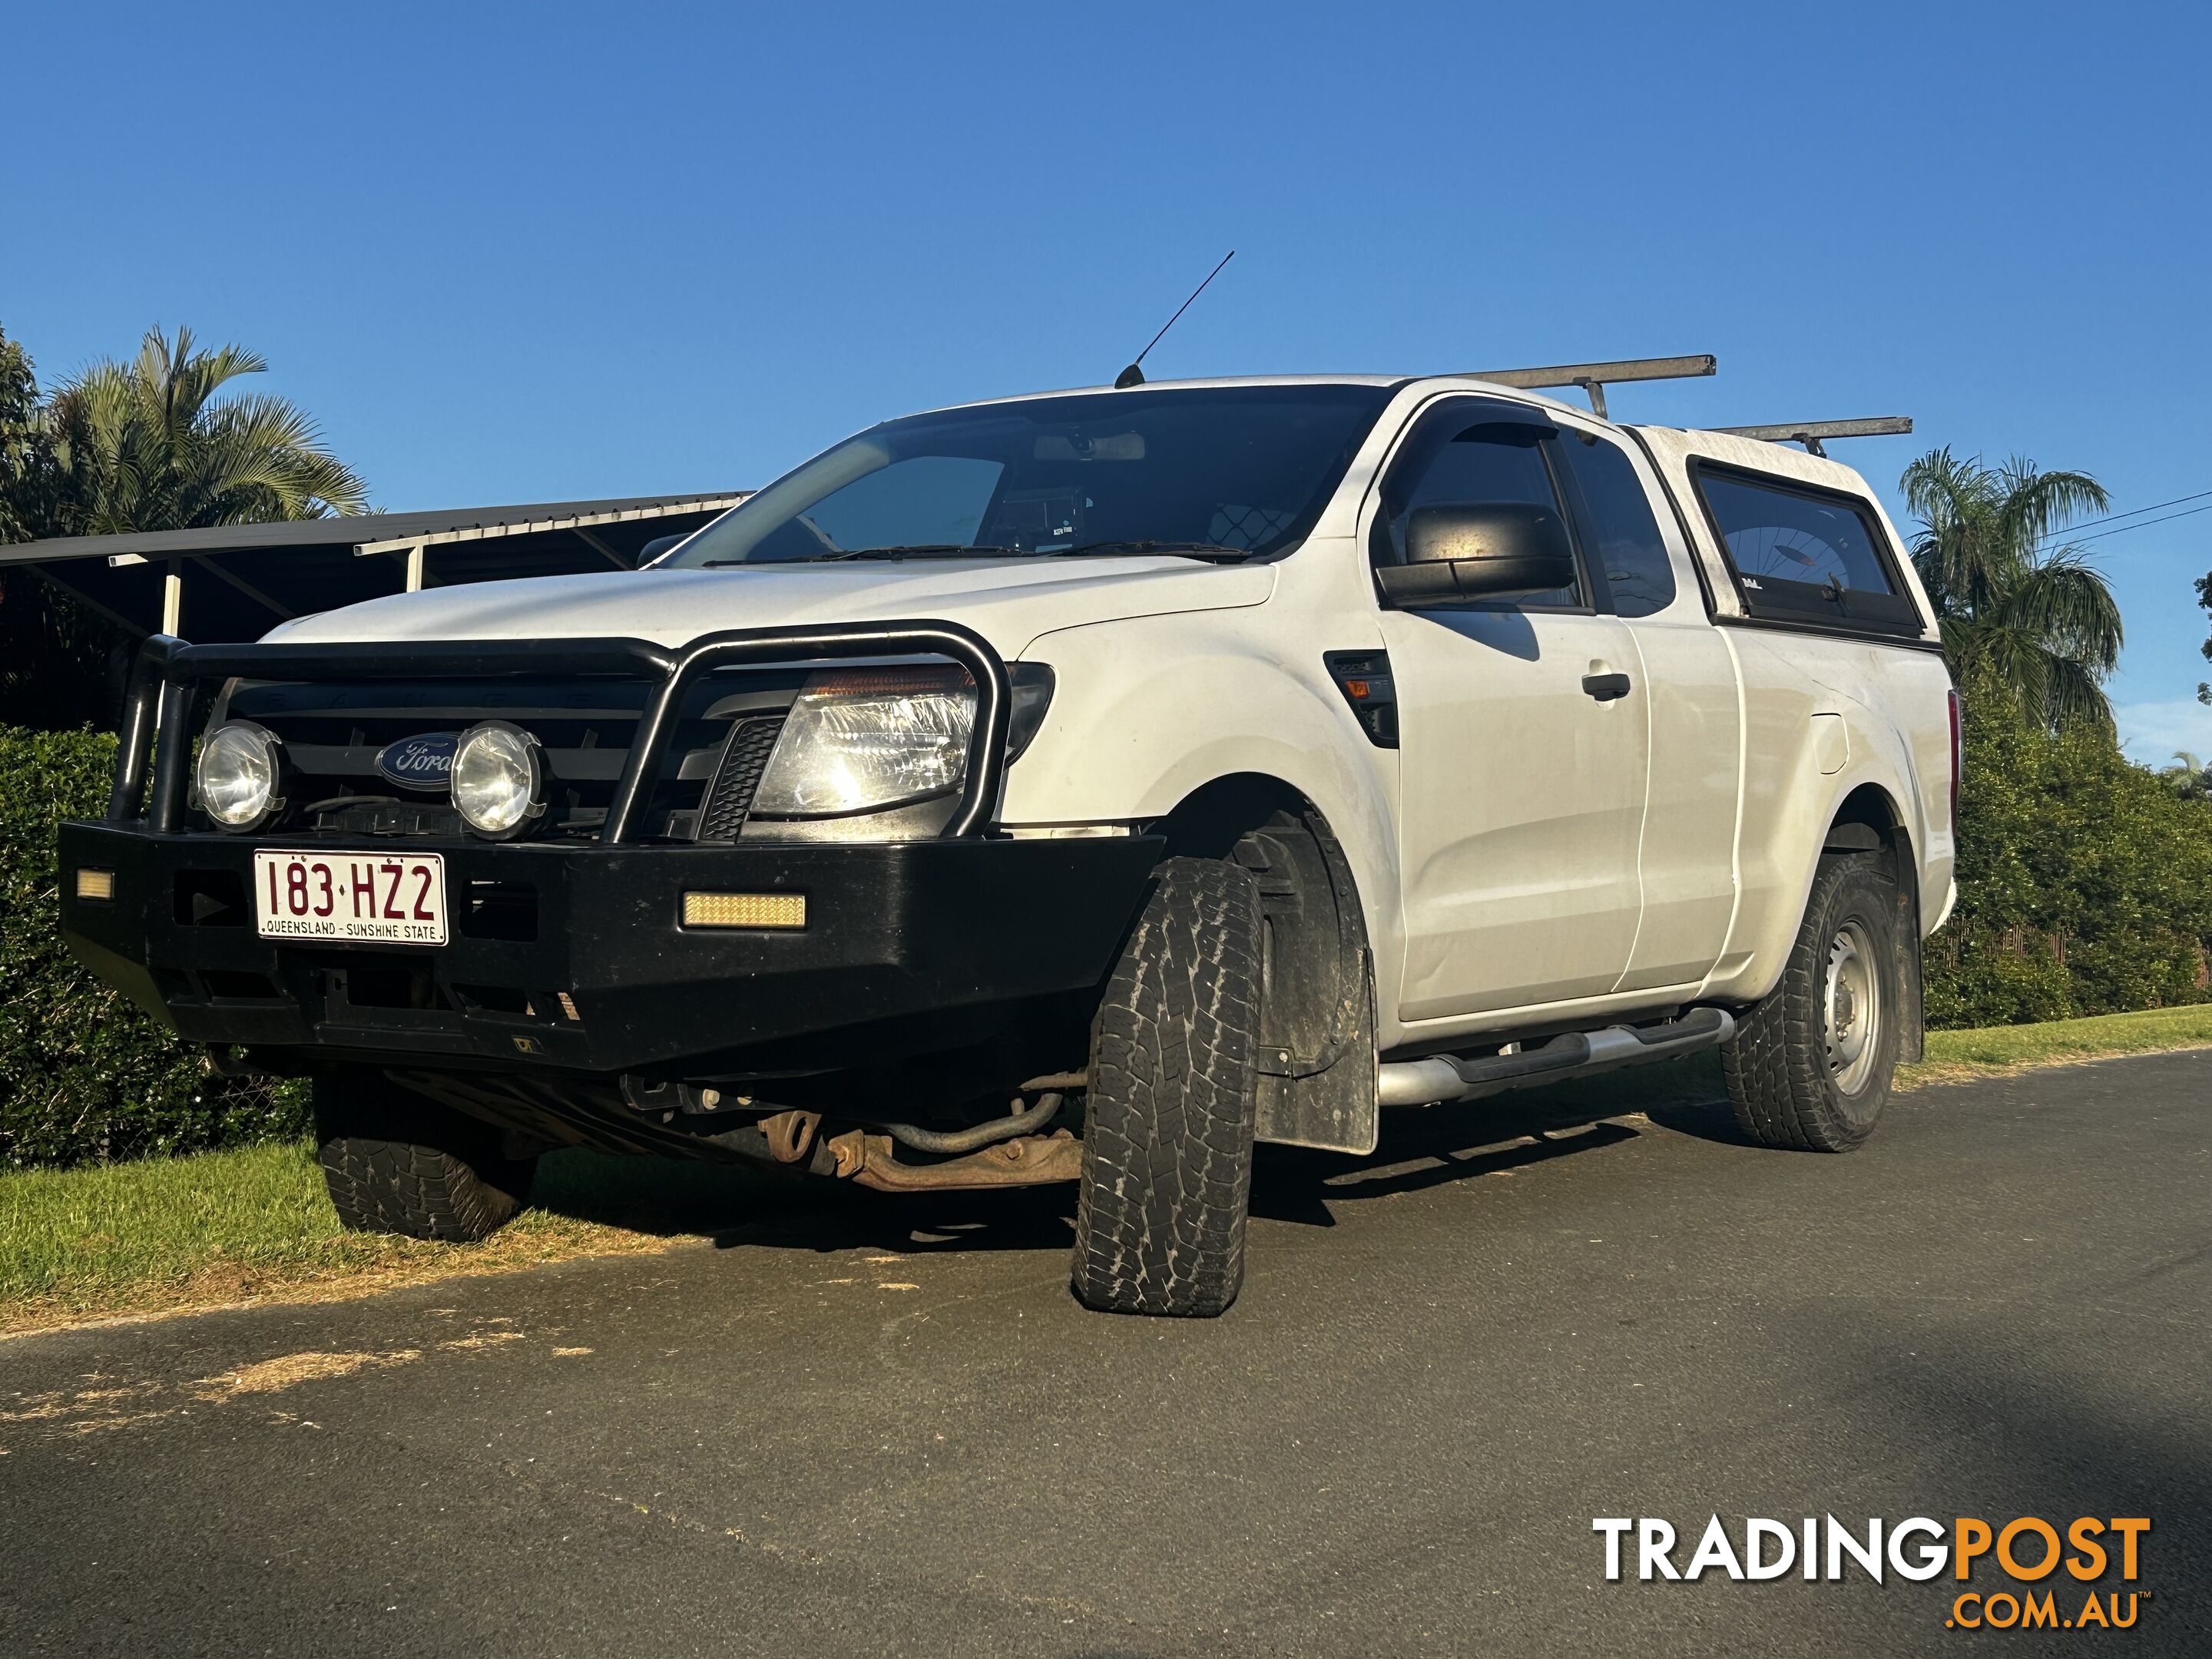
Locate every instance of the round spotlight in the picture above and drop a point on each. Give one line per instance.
(498, 780)
(239, 771)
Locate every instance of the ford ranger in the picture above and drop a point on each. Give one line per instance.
(1077, 787)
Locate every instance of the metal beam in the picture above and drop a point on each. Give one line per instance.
(172, 599)
(1592, 377)
(603, 550)
(135, 629)
(1631, 369)
(1810, 433)
(283, 613)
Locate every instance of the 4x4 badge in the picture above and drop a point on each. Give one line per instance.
(423, 762)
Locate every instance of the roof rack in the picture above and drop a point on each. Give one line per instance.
(1593, 377)
(1810, 433)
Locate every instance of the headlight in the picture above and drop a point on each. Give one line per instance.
(239, 768)
(864, 740)
(498, 780)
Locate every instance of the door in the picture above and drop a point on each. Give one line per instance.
(1689, 681)
(1523, 767)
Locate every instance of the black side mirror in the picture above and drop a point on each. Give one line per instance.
(659, 545)
(1493, 551)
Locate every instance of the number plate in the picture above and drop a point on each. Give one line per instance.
(399, 899)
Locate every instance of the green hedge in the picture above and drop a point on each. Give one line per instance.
(84, 1075)
(2085, 882)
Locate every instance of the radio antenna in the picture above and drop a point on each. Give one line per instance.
(1134, 374)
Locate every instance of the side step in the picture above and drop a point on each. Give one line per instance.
(1579, 1054)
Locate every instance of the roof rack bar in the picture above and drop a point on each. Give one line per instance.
(1810, 433)
(1592, 378)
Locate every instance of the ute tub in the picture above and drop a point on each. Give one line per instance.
(575, 958)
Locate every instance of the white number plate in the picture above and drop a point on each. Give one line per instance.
(399, 899)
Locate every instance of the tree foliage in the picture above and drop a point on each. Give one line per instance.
(151, 446)
(2085, 881)
(2026, 623)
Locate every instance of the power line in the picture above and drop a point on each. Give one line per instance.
(2146, 523)
(2114, 517)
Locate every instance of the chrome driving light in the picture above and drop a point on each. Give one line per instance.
(498, 780)
(869, 740)
(239, 770)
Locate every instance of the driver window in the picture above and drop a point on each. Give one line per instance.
(1476, 464)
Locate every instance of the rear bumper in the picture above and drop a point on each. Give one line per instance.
(608, 980)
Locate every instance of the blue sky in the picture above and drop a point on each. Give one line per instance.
(552, 251)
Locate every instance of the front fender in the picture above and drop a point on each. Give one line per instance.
(1147, 713)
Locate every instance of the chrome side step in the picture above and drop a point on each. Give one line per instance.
(1444, 1077)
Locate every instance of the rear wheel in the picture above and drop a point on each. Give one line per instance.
(1168, 1117)
(1811, 1064)
(398, 1162)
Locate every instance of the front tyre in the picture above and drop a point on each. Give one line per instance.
(1811, 1064)
(1168, 1115)
(399, 1162)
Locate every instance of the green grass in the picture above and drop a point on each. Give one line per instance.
(1953, 1054)
(216, 1227)
(227, 1226)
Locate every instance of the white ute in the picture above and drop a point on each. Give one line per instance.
(1082, 786)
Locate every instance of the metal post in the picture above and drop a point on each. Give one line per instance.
(416, 557)
(172, 599)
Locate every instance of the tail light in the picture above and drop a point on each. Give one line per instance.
(1958, 760)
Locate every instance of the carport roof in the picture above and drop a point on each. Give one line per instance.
(234, 582)
(154, 545)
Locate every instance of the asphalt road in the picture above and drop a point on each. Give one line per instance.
(884, 1427)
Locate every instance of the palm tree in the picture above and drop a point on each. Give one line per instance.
(2033, 623)
(150, 447)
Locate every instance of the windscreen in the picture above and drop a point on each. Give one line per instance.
(1226, 472)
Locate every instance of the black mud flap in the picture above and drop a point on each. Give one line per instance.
(1316, 1058)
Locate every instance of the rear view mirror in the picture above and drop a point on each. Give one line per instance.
(1490, 551)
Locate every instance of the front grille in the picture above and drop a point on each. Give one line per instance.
(332, 734)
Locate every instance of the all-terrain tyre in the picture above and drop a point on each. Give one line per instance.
(398, 1162)
(1809, 1069)
(1168, 1118)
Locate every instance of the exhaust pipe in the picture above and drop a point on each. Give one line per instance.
(1442, 1077)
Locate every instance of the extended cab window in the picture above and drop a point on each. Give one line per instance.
(1801, 555)
(1465, 457)
(1619, 532)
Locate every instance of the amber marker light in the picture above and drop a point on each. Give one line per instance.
(95, 884)
(745, 909)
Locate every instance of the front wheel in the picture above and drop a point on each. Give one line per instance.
(399, 1162)
(1173, 1096)
(1810, 1066)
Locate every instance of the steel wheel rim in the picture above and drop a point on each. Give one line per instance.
(1851, 1008)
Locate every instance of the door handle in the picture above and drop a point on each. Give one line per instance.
(1606, 687)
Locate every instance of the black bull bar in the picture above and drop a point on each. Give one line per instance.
(169, 674)
(906, 944)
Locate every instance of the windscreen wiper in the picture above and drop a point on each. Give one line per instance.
(922, 550)
(1213, 551)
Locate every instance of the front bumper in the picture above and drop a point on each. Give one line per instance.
(607, 980)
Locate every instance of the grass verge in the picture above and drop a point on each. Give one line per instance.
(169, 1234)
(163, 1234)
(1957, 1056)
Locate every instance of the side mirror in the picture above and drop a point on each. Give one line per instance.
(1458, 552)
(659, 545)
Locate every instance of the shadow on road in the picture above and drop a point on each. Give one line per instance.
(1420, 1148)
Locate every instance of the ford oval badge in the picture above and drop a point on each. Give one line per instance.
(423, 762)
